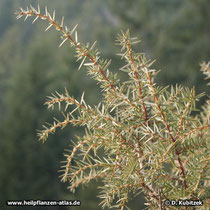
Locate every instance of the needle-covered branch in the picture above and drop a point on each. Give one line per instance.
(140, 137)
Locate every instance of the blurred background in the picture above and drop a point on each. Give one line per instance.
(174, 32)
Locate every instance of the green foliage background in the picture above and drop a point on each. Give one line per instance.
(176, 33)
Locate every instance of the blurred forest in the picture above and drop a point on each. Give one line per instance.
(174, 32)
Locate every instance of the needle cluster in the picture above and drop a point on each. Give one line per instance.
(141, 137)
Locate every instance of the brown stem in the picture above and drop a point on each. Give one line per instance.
(169, 131)
(147, 187)
(137, 79)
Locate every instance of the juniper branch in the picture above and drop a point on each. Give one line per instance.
(137, 129)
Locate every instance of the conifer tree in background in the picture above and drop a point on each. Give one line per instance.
(20, 172)
(140, 138)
